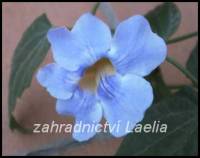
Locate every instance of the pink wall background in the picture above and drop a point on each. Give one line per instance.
(36, 105)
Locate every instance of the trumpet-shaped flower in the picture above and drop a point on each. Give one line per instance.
(124, 96)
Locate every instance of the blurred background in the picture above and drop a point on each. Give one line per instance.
(36, 106)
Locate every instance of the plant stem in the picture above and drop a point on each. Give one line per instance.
(175, 87)
(63, 144)
(95, 7)
(181, 38)
(183, 70)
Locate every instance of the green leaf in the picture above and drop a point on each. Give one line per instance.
(192, 63)
(164, 19)
(29, 53)
(13, 124)
(180, 113)
(190, 92)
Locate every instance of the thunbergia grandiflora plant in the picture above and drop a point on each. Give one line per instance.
(122, 96)
(111, 73)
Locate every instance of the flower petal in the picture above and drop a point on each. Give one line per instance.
(135, 48)
(84, 107)
(67, 49)
(94, 34)
(124, 100)
(59, 82)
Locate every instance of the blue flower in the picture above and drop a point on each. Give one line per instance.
(134, 51)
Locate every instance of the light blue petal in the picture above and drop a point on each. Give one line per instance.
(68, 51)
(88, 41)
(91, 118)
(135, 48)
(59, 82)
(86, 110)
(124, 100)
(94, 34)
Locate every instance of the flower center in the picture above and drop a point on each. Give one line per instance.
(92, 74)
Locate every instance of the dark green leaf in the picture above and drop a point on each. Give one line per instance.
(164, 19)
(29, 53)
(180, 113)
(192, 63)
(13, 124)
(190, 147)
(190, 92)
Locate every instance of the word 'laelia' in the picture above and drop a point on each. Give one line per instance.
(134, 51)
